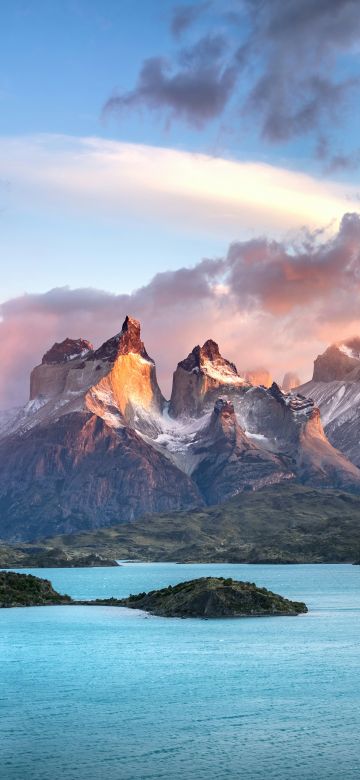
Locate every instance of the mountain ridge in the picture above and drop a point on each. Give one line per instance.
(98, 443)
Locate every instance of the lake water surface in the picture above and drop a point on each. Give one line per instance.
(103, 693)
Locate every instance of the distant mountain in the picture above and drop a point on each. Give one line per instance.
(290, 382)
(97, 443)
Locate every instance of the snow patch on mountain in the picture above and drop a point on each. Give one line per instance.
(221, 373)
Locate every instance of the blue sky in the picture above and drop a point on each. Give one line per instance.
(140, 138)
(59, 64)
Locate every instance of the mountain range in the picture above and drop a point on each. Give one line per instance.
(98, 444)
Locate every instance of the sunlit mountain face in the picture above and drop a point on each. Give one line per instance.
(98, 444)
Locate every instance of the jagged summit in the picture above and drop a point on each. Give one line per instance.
(204, 370)
(117, 381)
(123, 343)
(208, 360)
(338, 362)
(97, 443)
(69, 349)
(295, 401)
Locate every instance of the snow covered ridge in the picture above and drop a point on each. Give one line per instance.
(221, 372)
(350, 348)
(69, 349)
(295, 401)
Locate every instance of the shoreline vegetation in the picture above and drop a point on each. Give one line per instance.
(206, 597)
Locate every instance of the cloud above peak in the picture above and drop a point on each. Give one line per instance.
(291, 68)
(265, 302)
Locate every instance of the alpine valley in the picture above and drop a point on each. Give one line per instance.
(98, 446)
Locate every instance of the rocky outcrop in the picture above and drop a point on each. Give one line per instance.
(335, 388)
(229, 462)
(128, 385)
(337, 362)
(214, 597)
(202, 373)
(319, 464)
(49, 379)
(69, 349)
(290, 425)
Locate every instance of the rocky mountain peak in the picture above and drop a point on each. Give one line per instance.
(223, 421)
(294, 401)
(277, 393)
(338, 361)
(210, 350)
(203, 371)
(66, 350)
(205, 358)
(123, 343)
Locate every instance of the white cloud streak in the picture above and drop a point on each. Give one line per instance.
(193, 192)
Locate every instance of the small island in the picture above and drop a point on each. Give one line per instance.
(212, 597)
(207, 597)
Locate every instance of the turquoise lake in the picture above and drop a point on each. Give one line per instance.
(103, 693)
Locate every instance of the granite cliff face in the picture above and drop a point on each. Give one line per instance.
(335, 389)
(80, 473)
(338, 361)
(98, 445)
(230, 462)
(198, 377)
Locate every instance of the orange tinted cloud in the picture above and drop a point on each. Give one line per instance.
(265, 303)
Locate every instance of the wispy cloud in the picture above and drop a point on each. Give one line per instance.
(198, 193)
(184, 16)
(196, 89)
(289, 69)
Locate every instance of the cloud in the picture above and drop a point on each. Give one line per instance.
(196, 91)
(184, 16)
(292, 67)
(298, 48)
(198, 194)
(265, 302)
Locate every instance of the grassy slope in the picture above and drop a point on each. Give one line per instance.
(289, 523)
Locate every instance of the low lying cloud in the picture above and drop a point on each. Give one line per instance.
(265, 303)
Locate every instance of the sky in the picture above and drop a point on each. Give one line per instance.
(193, 164)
